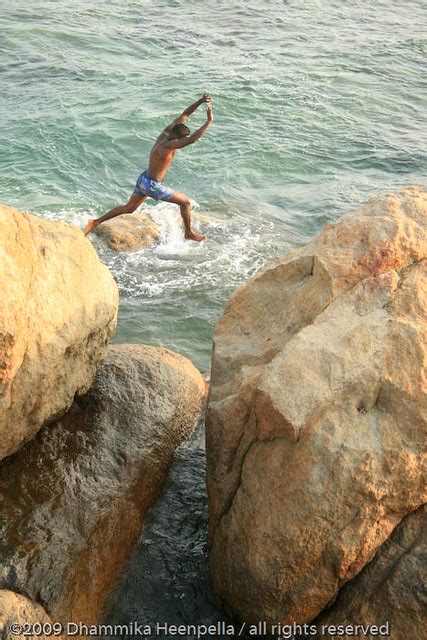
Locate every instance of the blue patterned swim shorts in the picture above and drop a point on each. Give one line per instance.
(146, 186)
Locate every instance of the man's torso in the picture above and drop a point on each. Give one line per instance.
(160, 158)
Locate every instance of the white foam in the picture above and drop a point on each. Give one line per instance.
(172, 242)
(73, 216)
(233, 251)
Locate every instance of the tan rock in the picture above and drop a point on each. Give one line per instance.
(135, 231)
(392, 588)
(129, 232)
(58, 310)
(18, 614)
(317, 412)
(74, 498)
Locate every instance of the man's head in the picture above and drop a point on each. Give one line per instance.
(179, 130)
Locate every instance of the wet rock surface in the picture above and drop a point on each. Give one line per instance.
(166, 577)
(74, 498)
(317, 412)
(58, 311)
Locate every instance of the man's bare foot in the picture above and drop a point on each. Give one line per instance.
(193, 235)
(89, 227)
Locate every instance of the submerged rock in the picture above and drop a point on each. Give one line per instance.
(19, 616)
(392, 588)
(129, 232)
(134, 231)
(74, 498)
(58, 310)
(317, 412)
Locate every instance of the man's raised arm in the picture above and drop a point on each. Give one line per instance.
(194, 137)
(189, 110)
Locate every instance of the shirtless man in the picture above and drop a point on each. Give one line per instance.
(175, 136)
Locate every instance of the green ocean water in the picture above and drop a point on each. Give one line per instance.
(318, 105)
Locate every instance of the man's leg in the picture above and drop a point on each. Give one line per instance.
(132, 204)
(184, 205)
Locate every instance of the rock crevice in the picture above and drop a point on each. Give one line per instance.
(65, 537)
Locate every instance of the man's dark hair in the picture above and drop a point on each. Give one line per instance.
(180, 130)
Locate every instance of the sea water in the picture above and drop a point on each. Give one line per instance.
(318, 105)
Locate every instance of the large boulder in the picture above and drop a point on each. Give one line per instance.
(19, 616)
(392, 588)
(317, 412)
(74, 498)
(58, 310)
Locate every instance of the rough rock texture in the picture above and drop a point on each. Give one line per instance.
(392, 588)
(58, 309)
(74, 498)
(17, 610)
(129, 232)
(134, 231)
(317, 412)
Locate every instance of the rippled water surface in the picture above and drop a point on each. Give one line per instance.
(318, 105)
